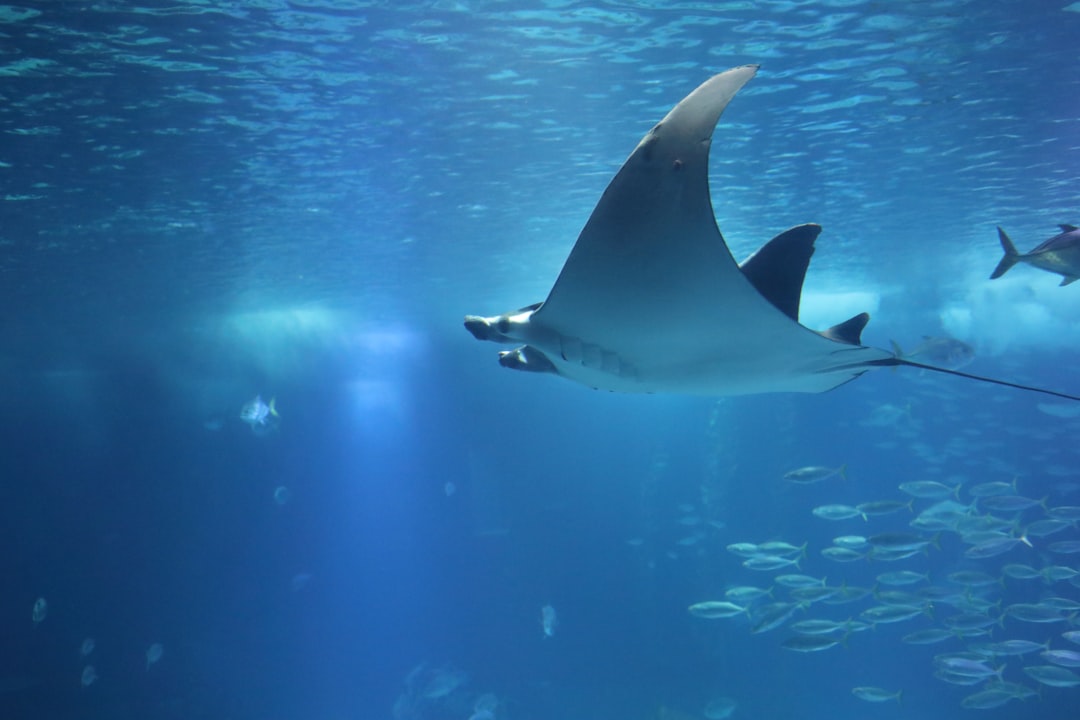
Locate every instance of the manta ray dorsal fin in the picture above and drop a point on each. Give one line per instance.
(850, 331)
(778, 268)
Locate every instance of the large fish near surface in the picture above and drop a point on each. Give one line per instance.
(1060, 254)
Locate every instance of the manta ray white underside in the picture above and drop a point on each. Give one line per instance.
(651, 300)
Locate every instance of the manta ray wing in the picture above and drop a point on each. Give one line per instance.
(651, 300)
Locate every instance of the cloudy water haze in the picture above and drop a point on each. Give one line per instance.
(255, 467)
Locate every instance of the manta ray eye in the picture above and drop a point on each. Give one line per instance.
(677, 165)
(503, 325)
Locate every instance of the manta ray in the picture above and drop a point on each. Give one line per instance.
(651, 300)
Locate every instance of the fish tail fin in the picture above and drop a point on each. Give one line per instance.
(899, 697)
(999, 673)
(1011, 255)
(273, 410)
(843, 472)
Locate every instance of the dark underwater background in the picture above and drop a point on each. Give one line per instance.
(209, 201)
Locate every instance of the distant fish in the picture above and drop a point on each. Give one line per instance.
(40, 611)
(943, 352)
(1053, 675)
(876, 694)
(548, 621)
(153, 654)
(1060, 254)
(930, 489)
(714, 609)
(837, 512)
(1058, 410)
(258, 414)
(810, 643)
(815, 473)
(720, 708)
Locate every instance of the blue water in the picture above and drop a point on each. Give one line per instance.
(205, 201)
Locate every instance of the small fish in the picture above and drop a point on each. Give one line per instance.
(994, 547)
(89, 675)
(901, 578)
(815, 473)
(1010, 503)
(1021, 571)
(810, 643)
(783, 549)
(1064, 658)
(1054, 573)
(714, 609)
(1064, 547)
(744, 549)
(153, 654)
(1069, 513)
(837, 512)
(793, 580)
(842, 554)
(994, 487)
(945, 352)
(883, 507)
(885, 614)
(769, 562)
(1053, 675)
(851, 542)
(1036, 613)
(40, 611)
(1060, 255)
(876, 694)
(929, 636)
(1047, 527)
(973, 578)
(1058, 410)
(548, 621)
(930, 489)
(987, 699)
(962, 665)
(1016, 647)
(87, 646)
(720, 708)
(746, 593)
(257, 413)
(820, 627)
(900, 541)
(772, 616)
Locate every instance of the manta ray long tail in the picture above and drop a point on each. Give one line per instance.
(893, 362)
